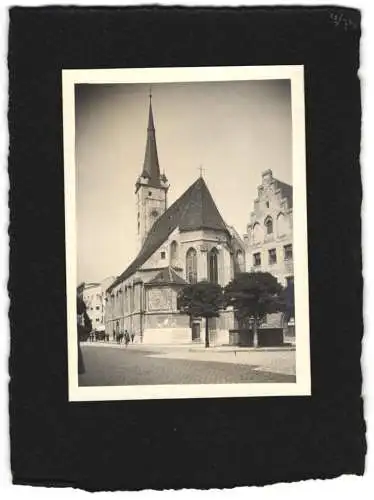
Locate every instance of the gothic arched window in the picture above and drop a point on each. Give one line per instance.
(174, 254)
(191, 266)
(257, 233)
(213, 266)
(269, 225)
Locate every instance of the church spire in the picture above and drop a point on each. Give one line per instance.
(151, 167)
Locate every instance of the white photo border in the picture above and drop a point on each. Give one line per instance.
(302, 386)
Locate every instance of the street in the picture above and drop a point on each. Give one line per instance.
(111, 365)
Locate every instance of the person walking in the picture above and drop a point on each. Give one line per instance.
(117, 332)
(127, 338)
(132, 337)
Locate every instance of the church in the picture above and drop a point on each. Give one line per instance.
(185, 242)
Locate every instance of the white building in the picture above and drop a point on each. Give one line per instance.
(93, 295)
(269, 237)
(270, 231)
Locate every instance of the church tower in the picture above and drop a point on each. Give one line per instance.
(151, 187)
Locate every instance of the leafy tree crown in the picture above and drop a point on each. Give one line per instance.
(254, 295)
(203, 299)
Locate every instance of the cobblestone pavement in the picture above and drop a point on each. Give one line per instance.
(269, 361)
(146, 365)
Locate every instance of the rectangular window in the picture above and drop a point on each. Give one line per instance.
(287, 252)
(272, 256)
(257, 259)
(163, 255)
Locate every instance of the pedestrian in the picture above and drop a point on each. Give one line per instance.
(132, 337)
(117, 332)
(127, 338)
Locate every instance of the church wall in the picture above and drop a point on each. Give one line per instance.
(166, 320)
(203, 241)
(123, 302)
(159, 299)
(159, 259)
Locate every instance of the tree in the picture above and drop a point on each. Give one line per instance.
(203, 299)
(253, 296)
(85, 326)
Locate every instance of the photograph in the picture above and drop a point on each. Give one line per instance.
(186, 233)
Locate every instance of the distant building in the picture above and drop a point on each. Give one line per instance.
(93, 295)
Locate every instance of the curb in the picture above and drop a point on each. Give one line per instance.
(253, 349)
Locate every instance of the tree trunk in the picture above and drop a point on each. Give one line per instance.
(206, 333)
(255, 334)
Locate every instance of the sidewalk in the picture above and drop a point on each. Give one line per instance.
(276, 360)
(270, 360)
(237, 349)
(192, 347)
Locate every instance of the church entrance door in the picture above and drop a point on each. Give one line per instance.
(195, 332)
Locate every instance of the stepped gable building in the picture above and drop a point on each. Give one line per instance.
(269, 235)
(184, 243)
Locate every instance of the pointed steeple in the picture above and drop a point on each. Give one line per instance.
(151, 167)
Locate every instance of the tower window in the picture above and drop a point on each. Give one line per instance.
(267, 204)
(163, 255)
(149, 193)
(272, 256)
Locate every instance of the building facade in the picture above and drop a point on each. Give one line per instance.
(93, 295)
(184, 243)
(269, 237)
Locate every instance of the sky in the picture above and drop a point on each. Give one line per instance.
(234, 130)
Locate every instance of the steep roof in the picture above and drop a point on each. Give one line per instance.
(151, 167)
(167, 276)
(195, 209)
(286, 190)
